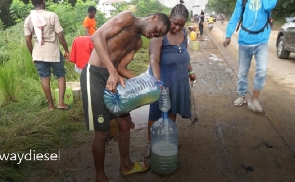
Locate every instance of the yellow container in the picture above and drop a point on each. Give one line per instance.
(193, 36)
(195, 45)
(68, 98)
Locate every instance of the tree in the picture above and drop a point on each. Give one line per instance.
(283, 8)
(4, 13)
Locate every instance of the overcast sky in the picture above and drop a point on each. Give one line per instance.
(188, 3)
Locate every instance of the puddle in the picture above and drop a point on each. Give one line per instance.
(140, 118)
(214, 57)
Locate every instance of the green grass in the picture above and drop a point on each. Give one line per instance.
(27, 124)
(24, 126)
(140, 62)
(8, 84)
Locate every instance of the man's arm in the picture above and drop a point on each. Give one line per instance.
(268, 5)
(28, 35)
(58, 29)
(155, 47)
(110, 29)
(87, 31)
(64, 44)
(232, 24)
(122, 67)
(63, 41)
(86, 25)
(29, 43)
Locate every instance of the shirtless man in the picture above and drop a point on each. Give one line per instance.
(115, 44)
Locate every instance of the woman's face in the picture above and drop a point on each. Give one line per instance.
(177, 24)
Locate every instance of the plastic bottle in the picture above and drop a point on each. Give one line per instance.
(141, 90)
(164, 100)
(164, 139)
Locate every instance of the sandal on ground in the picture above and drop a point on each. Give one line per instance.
(139, 167)
(64, 108)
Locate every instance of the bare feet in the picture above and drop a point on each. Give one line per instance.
(50, 108)
(126, 167)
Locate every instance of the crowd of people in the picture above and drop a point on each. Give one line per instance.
(103, 54)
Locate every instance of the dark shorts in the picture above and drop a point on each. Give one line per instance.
(58, 68)
(93, 82)
(201, 28)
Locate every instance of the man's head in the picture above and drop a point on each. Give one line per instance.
(38, 3)
(181, 1)
(91, 11)
(202, 13)
(157, 25)
(178, 17)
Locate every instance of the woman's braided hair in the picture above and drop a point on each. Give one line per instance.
(179, 10)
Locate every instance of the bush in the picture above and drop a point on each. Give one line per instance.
(19, 10)
(71, 18)
(148, 7)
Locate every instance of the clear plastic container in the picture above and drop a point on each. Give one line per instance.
(164, 100)
(164, 140)
(141, 90)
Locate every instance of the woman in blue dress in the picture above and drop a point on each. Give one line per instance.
(170, 63)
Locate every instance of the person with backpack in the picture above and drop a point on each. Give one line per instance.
(253, 17)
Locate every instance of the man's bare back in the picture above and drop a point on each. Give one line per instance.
(123, 40)
(117, 41)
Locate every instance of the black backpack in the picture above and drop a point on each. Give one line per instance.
(241, 20)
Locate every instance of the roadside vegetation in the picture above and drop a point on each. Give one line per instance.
(25, 122)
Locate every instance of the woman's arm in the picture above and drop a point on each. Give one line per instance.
(155, 47)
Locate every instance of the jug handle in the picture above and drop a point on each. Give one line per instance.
(114, 95)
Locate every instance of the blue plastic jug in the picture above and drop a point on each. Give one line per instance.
(141, 90)
(164, 140)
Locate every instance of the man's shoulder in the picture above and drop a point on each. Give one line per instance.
(28, 18)
(49, 13)
(86, 19)
(126, 15)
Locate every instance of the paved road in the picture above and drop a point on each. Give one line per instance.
(283, 70)
(278, 95)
